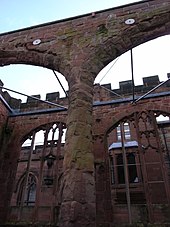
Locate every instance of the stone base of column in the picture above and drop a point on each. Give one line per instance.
(77, 191)
(74, 214)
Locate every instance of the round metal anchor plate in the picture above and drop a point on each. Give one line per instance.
(129, 21)
(36, 41)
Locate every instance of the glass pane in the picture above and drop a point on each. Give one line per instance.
(120, 169)
(133, 177)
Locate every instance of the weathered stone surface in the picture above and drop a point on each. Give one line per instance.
(79, 48)
(77, 199)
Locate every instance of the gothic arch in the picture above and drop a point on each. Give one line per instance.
(126, 113)
(41, 127)
(20, 185)
(103, 38)
(22, 129)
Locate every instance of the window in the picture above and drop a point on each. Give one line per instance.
(117, 170)
(132, 170)
(27, 191)
(120, 169)
(126, 132)
(30, 191)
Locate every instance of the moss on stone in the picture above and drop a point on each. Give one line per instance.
(102, 29)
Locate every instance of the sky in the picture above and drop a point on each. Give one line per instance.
(151, 58)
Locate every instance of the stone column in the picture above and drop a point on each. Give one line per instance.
(77, 187)
(104, 209)
(3, 185)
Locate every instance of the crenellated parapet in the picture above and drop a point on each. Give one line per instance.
(102, 92)
(105, 92)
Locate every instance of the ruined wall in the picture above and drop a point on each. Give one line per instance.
(93, 40)
(101, 93)
(4, 112)
(153, 160)
(3, 156)
(79, 48)
(3, 117)
(105, 115)
(17, 129)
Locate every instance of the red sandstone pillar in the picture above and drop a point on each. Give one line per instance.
(104, 209)
(77, 189)
(4, 160)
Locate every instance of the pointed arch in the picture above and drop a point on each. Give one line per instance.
(26, 193)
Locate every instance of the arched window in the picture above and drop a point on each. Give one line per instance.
(27, 191)
(120, 148)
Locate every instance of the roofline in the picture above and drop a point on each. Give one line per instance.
(73, 18)
(95, 104)
(163, 123)
(103, 103)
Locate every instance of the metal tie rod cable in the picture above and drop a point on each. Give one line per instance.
(109, 69)
(110, 91)
(133, 84)
(32, 97)
(153, 89)
(60, 83)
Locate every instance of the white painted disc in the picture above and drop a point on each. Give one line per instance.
(129, 21)
(36, 41)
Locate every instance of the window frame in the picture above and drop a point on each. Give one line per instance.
(126, 132)
(114, 167)
(26, 189)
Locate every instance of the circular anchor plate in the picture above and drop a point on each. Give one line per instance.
(129, 21)
(36, 41)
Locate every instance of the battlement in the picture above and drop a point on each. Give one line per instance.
(101, 93)
(125, 90)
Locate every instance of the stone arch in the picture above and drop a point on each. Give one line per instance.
(44, 160)
(26, 53)
(17, 50)
(26, 129)
(124, 114)
(147, 27)
(101, 46)
(41, 127)
(104, 54)
(109, 38)
(143, 122)
(20, 182)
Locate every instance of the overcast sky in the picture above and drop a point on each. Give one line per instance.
(151, 58)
